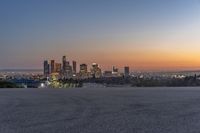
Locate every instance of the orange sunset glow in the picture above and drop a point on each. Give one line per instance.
(144, 36)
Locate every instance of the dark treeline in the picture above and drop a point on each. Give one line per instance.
(172, 82)
(77, 83)
(6, 84)
(147, 82)
(109, 81)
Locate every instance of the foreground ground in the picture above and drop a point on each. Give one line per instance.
(100, 110)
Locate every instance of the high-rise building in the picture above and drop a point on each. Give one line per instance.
(96, 71)
(52, 66)
(83, 68)
(67, 69)
(83, 71)
(68, 72)
(74, 67)
(46, 68)
(64, 63)
(126, 71)
(58, 68)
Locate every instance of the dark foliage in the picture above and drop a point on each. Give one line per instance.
(77, 83)
(5, 84)
(146, 82)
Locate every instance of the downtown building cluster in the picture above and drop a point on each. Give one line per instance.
(67, 70)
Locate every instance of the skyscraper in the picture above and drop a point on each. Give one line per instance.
(126, 71)
(68, 72)
(58, 68)
(46, 68)
(74, 67)
(66, 69)
(64, 63)
(83, 68)
(96, 71)
(83, 71)
(52, 66)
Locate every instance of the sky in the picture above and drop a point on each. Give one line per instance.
(142, 34)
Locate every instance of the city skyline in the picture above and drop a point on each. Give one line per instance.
(68, 70)
(55, 66)
(144, 35)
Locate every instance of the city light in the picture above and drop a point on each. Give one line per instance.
(42, 85)
(67, 70)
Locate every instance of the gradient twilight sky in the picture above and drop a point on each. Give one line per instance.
(144, 34)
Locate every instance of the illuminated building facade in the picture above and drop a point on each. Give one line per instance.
(96, 71)
(53, 66)
(58, 68)
(83, 71)
(66, 71)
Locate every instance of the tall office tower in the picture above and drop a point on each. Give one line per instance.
(126, 71)
(58, 68)
(68, 72)
(64, 63)
(83, 71)
(52, 66)
(74, 67)
(66, 69)
(83, 68)
(46, 68)
(96, 71)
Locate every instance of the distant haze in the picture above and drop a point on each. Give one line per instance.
(142, 34)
